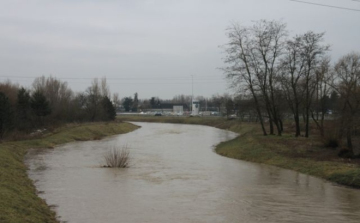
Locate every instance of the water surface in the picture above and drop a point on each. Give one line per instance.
(175, 176)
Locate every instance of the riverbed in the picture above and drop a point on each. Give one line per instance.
(175, 176)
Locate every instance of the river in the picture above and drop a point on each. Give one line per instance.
(175, 176)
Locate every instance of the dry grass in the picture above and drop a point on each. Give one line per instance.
(117, 158)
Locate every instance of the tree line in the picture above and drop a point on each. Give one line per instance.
(51, 102)
(223, 104)
(284, 74)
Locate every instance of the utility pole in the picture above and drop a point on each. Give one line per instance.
(192, 86)
(192, 91)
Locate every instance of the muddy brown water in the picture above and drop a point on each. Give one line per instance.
(175, 176)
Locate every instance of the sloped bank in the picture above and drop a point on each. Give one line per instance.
(305, 155)
(18, 196)
(299, 154)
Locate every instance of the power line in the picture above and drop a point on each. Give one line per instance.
(209, 77)
(329, 6)
(138, 81)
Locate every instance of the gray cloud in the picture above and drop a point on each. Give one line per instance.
(149, 47)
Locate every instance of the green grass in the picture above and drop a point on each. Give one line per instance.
(255, 148)
(18, 197)
(305, 155)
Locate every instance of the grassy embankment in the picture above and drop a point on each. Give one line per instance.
(304, 155)
(18, 197)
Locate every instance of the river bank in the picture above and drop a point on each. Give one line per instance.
(305, 155)
(18, 196)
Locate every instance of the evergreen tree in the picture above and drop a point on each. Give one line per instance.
(40, 105)
(109, 109)
(153, 102)
(6, 114)
(135, 103)
(23, 110)
(128, 101)
(229, 106)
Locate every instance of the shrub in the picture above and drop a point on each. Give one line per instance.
(117, 158)
(331, 141)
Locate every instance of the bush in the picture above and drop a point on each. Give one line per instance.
(331, 142)
(117, 158)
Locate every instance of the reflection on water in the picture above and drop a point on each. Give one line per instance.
(175, 176)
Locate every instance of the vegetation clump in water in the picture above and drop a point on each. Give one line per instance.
(117, 158)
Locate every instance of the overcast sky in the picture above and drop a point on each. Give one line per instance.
(152, 47)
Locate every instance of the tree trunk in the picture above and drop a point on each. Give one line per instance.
(257, 107)
(277, 122)
(349, 141)
(259, 115)
(307, 122)
(281, 125)
(271, 124)
(297, 124)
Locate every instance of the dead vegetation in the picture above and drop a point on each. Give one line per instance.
(117, 157)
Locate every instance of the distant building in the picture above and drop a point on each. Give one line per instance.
(195, 107)
(171, 107)
(178, 109)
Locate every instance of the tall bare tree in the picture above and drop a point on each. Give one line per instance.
(94, 97)
(291, 76)
(324, 78)
(57, 93)
(312, 52)
(116, 100)
(105, 89)
(253, 54)
(301, 66)
(347, 70)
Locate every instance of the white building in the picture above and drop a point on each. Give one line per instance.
(195, 108)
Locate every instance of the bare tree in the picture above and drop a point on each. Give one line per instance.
(53, 89)
(301, 66)
(57, 93)
(244, 105)
(229, 106)
(105, 89)
(10, 90)
(292, 73)
(312, 52)
(347, 70)
(241, 72)
(94, 96)
(253, 54)
(324, 77)
(184, 99)
(116, 100)
(217, 102)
